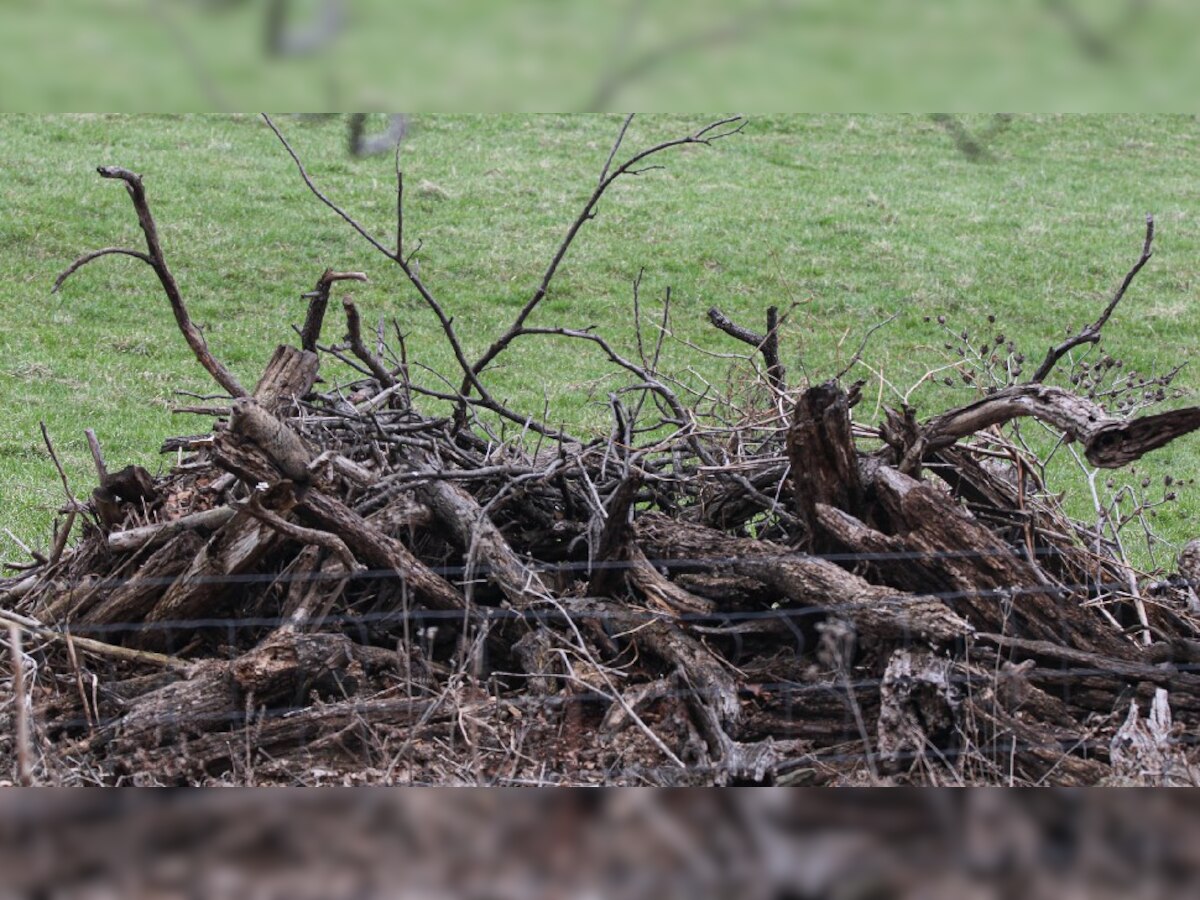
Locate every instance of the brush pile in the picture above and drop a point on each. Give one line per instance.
(334, 585)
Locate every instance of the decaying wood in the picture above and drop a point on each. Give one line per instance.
(821, 451)
(289, 375)
(158, 533)
(814, 586)
(1108, 443)
(318, 301)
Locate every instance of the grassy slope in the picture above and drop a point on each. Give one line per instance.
(854, 218)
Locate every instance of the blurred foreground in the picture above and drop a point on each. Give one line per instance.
(175, 55)
(621, 843)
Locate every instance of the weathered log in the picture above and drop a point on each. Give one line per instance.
(283, 446)
(662, 593)
(152, 535)
(461, 515)
(289, 375)
(218, 695)
(824, 464)
(132, 601)
(817, 586)
(613, 549)
(214, 572)
(984, 577)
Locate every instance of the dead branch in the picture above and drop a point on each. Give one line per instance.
(1107, 442)
(155, 259)
(714, 131)
(766, 344)
(1090, 334)
(310, 536)
(318, 299)
(23, 736)
(359, 349)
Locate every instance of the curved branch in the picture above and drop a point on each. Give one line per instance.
(155, 259)
(96, 254)
(1108, 443)
(766, 344)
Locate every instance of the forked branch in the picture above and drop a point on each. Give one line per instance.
(714, 131)
(766, 344)
(154, 259)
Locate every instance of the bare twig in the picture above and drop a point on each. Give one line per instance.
(29, 551)
(354, 335)
(71, 501)
(87, 645)
(96, 254)
(1090, 334)
(766, 344)
(446, 322)
(857, 357)
(714, 131)
(60, 537)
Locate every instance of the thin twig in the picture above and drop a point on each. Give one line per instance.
(857, 357)
(1090, 334)
(714, 131)
(71, 501)
(354, 336)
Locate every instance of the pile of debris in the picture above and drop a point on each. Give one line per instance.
(336, 586)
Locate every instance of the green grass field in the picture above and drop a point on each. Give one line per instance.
(472, 55)
(851, 218)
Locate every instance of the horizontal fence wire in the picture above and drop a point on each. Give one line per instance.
(425, 702)
(788, 689)
(489, 613)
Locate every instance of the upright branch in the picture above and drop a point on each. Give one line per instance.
(154, 259)
(766, 344)
(318, 300)
(395, 256)
(1090, 334)
(471, 382)
(354, 336)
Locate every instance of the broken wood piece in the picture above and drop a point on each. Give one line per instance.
(318, 301)
(289, 375)
(150, 535)
(282, 445)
